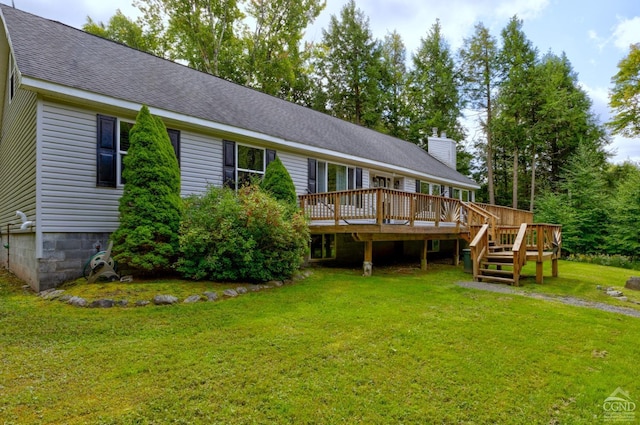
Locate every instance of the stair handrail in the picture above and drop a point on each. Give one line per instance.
(489, 218)
(479, 248)
(519, 253)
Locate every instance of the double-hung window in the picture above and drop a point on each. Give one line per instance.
(243, 164)
(112, 146)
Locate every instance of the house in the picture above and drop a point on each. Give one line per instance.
(68, 102)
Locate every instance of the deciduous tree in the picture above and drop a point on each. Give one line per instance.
(625, 95)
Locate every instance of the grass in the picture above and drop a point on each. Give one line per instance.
(400, 347)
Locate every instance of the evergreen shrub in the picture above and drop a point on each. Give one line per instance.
(150, 207)
(278, 183)
(248, 236)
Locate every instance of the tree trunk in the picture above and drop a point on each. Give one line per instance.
(492, 196)
(515, 178)
(533, 180)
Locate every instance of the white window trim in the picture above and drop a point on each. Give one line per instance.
(245, 170)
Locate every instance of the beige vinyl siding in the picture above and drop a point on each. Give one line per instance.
(70, 200)
(200, 162)
(18, 159)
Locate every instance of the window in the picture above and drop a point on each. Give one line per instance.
(123, 146)
(465, 195)
(435, 190)
(242, 163)
(250, 164)
(113, 145)
(13, 84)
(456, 193)
(323, 247)
(330, 177)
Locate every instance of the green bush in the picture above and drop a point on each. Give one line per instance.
(619, 261)
(150, 206)
(247, 236)
(278, 183)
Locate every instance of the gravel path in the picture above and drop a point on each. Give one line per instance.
(503, 289)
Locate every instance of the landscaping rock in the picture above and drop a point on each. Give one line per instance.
(78, 302)
(622, 298)
(142, 303)
(122, 303)
(241, 290)
(102, 304)
(307, 273)
(277, 283)
(255, 288)
(211, 296)
(65, 298)
(599, 287)
(52, 294)
(614, 293)
(164, 300)
(192, 299)
(633, 283)
(287, 282)
(230, 293)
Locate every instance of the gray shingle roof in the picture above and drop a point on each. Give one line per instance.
(54, 52)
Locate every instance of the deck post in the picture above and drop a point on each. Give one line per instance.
(423, 257)
(368, 258)
(539, 275)
(456, 253)
(554, 267)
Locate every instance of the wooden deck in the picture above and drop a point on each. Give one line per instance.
(380, 214)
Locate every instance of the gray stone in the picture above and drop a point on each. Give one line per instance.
(164, 300)
(614, 293)
(307, 273)
(192, 299)
(622, 298)
(255, 288)
(633, 283)
(102, 304)
(599, 287)
(52, 294)
(230, 293)
(122, 303)
(277, 283)
(78, 302)
(65, 298)
(142, 303)
(241, 290)
(211, 296)
(297, 276)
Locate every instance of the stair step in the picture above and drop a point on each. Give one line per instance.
(498, 259)
(496, 279)
(494, 272)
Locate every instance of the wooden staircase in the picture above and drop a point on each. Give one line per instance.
(497, 265)
(499, 252)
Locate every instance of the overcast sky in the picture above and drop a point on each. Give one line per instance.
(595, 35)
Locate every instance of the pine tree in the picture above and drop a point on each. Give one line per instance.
(150, 207)
(434, 95)
(350, 68)
(479, 68)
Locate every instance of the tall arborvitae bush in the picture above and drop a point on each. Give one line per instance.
(278, 183)
(248, 236)
(150, 206)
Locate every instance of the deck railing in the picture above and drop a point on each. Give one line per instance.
(508, 216)
(384, 206)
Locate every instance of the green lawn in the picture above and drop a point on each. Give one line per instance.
(403, 346)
